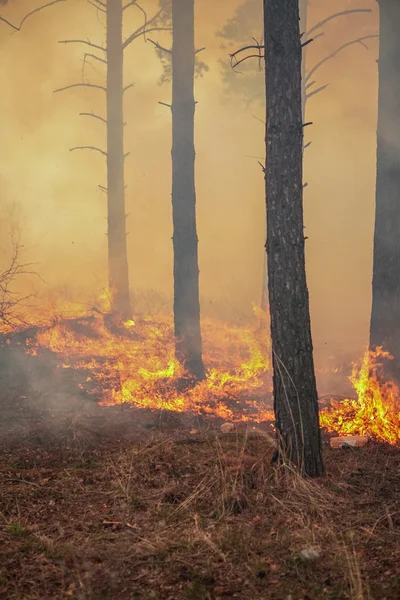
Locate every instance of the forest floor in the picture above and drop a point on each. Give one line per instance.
(99, 503)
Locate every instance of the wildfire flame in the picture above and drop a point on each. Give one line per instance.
(134, 363)
(376, 410)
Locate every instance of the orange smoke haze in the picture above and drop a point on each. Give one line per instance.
(62, 211)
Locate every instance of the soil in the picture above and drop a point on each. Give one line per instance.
(117, 503)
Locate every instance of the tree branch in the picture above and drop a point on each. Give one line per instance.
(87, 42)
(98, 5)
(336, 15)
(89, 148)
(90, 85)
(126, 88)
(143, 29)
(320, 89)
(157, 45)
(85, 114)
(335, 52)
(18, 27)
(138, 34)
(103, 60)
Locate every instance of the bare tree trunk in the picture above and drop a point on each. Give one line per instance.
(185, 242)
(385, 316)
(117, 247)
(303, 28)
(295, 392)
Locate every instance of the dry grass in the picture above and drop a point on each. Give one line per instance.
(165, 515)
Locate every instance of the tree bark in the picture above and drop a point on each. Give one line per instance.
(385, 315)
(117, 246)
(303, 29)
(185, 243)
(295, 391)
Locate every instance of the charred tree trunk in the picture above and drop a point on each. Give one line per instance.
(303, 29)
(385, 316)
(185, 243)
(295, 391)
(117, 246)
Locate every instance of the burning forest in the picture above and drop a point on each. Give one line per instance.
(200, 387)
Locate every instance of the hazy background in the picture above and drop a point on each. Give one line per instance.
(61, 211)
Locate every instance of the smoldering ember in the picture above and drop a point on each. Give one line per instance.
(200, 300)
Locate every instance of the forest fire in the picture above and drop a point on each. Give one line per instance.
(133, 363)
(376, 410)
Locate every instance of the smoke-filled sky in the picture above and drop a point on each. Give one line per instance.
(61, 211)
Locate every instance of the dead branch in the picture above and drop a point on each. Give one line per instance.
(103, 60)
(307, 124)
(337, 15)
(306, 146)
(307, 42)
(92, 114)
(159, 47)
(317, 91)
(87, 42)
(137, 34)
(10, 299)
(143, 29)
(74, 85)
(98, 5)
(126, 156)
(132, 3)
(89, 148)
(103, 189)
(335, 52)
(127, 87)
(165, 104)
(18, 27)
(200, 50)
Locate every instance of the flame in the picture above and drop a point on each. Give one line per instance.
(376, 410)
(135, 363)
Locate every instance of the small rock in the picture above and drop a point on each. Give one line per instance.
(227, 427)
(309, 554)
(354, 441)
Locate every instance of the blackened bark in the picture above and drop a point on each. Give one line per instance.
(185, 243)
(303, 29)
(117, 246)
(295, 392)
(385, 315)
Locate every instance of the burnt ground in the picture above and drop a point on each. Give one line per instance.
(118, 503)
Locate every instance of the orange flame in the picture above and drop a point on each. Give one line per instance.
(376, 411)
(135, 363)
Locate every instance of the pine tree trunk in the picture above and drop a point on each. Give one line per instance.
(295, 392)
(303, 28)
(185, 242)
(385, 315)
(117, 247)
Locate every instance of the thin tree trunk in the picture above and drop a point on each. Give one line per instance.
(303, 28)
(117, 246)
(385, 315)
(185, 243)
(295, 392)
